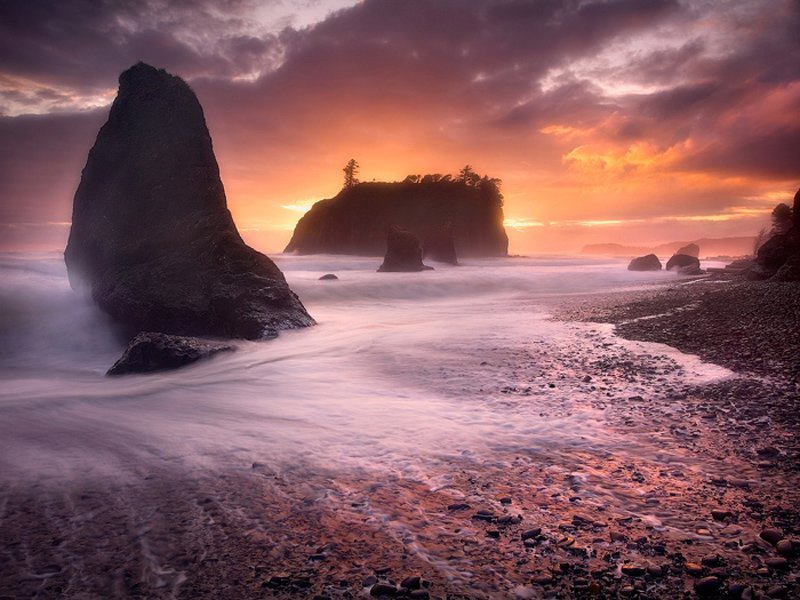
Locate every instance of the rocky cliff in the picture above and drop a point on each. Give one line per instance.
(357, 220)
(152, 238)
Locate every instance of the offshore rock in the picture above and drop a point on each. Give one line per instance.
(356, 219)
(149, 352)
(689, 250)
(152, 238)
(678, 261)
(649, 262)
(403, 252)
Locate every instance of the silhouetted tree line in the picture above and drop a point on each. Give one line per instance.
(488, 186)
(784, 218)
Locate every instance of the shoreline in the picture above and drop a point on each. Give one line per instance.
(669, 492)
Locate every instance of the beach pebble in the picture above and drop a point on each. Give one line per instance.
(772, 536)
(721, 515)
(411, 583)
(531, 533)
(711, 561)
(778, 591)
(655, 571)
(419, 595)
(707, 585)
(542, 579)
(382, 589)
(693, 568)
(458, 506)
(369, 580)
(785, 548)
(777, 562)
(633, 570)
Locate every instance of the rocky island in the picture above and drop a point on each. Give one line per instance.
(152, 239)
(357, 219)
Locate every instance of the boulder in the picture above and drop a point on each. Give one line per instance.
(649, 262)
(328, 277)
(152, 239)
(148, 352)
(678, 261)
(403, 252)
(689, 250)
(440, 246)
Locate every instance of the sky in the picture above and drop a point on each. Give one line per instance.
(627, 121)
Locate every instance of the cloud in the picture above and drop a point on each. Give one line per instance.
(589, 110)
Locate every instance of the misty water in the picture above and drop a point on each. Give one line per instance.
(413, 392)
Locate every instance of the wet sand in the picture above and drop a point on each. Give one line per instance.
(670, 497)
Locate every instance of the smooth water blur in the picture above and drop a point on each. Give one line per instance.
(395, 373)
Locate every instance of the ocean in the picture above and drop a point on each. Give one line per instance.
(412, 392)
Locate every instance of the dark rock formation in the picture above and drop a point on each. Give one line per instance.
(790, 270)
(441, 246)
(152, 238)
(772, 255)
(678, 261)
(356, 220)
(150, 352)
(328, 276)
(693, 269)
(645, 263)
(689, 250)
(796, 211)
(403, 252)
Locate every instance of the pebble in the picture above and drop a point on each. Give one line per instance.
(542, 579)
(772, 536)
(785, 548)
(370, 580)
(633, 570)
(411, 583)
(711, 561)
(531, 533)
(382, 589)
(707, 585)
(458, 506)
(777, 591)
(505, 500)
(419, 595)
(693, 568)
(484, 515)
(721, 515)
(777, 562)
(655, 571)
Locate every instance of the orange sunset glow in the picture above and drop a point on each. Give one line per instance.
(651, 120)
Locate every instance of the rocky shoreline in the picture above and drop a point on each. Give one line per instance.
(685, 490)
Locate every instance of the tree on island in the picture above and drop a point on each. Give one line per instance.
(468, 176)
(350, 172)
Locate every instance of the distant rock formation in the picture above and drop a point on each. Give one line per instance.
(692, 269)
(328, 277)
(689, 250)
(152, 238)
(678, 261)
(731, 246)
(356, 220)
(645, 263)
(148, 352)
(441, 246)
(403, 252)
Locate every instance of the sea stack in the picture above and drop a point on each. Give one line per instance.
(403, 252)
(152, 238)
